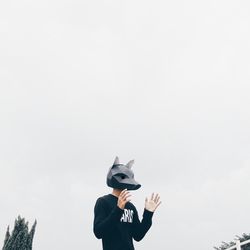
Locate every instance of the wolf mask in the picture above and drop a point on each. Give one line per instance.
(121, 176)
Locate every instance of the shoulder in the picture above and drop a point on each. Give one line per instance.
(103, 200)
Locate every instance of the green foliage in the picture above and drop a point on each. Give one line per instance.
(242, 238)
(20, 238)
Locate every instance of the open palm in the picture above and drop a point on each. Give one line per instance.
(152, 203)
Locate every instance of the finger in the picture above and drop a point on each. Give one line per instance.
(152, 196)
(146, 199)
(128, 200)
(155, 198)
(158, 199)
(158, 205)
(126, 197)
(124, 193)
(127, 194)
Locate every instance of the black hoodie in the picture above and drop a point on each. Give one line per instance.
(117, 227)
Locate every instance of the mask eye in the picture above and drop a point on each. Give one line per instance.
(122, 176)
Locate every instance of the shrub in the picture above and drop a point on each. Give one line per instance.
(20, 238)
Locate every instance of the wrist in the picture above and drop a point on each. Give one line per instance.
(149, 210)
(120, 206)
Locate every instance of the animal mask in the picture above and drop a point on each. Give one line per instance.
(121, 176)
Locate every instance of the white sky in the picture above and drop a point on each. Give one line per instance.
(166, 83)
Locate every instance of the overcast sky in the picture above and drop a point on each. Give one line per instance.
(166, 83)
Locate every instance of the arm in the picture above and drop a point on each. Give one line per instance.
(103, 222)
(139, 229)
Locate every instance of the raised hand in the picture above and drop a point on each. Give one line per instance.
(152, 203)
(123, 198)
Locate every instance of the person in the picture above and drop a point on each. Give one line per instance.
(116, 219)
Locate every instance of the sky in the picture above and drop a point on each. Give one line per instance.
(166, 83)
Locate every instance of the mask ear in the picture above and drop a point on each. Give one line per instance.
(116, 162)
(130, 164)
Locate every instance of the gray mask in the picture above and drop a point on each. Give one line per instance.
(121, 176)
